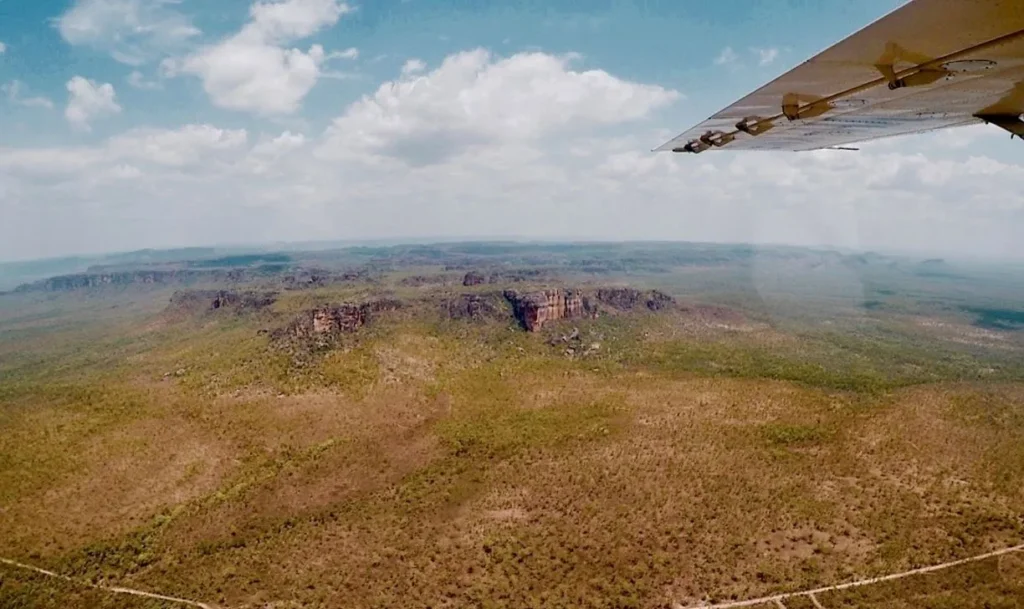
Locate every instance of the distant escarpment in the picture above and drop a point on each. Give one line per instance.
(267, 274)
(79, 281)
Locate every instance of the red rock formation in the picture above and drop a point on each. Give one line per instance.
(535, 309)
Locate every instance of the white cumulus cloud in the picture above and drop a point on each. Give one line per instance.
(132, 31)
(89, 100)
(474, 98)
(254, 70)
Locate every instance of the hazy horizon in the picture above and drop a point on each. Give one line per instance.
(340, 244)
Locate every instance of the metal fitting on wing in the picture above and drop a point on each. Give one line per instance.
(717, 138)
(754, 125)
(694, 146)
(918, 79)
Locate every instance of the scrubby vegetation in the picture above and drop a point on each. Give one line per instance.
(769, 432)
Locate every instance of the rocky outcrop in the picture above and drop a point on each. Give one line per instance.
(657, 301)
(574, 346)
(243, 300)
(627, 299)
(473, 278)
(323, 323)
(505, 276)
(535, 309)
(519, 275)
(476, 307)
(419, 281)
(198, 301)
(307, 279)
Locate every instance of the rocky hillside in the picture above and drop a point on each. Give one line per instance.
(476, 277)
(532, 310)
(198, 301)
(484, 306)
(627, 299)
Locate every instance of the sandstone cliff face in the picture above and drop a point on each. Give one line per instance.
(535, 309)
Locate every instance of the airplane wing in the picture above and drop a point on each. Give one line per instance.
(930, 64)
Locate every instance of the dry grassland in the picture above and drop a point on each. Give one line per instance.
(448, 465)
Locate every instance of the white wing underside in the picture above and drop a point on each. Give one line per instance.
(931, 64)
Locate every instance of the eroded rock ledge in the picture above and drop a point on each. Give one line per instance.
(327, 321)
(198, 301)
(535, 309)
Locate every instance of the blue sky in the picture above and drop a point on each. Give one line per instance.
(158, 123)
(673, 44)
